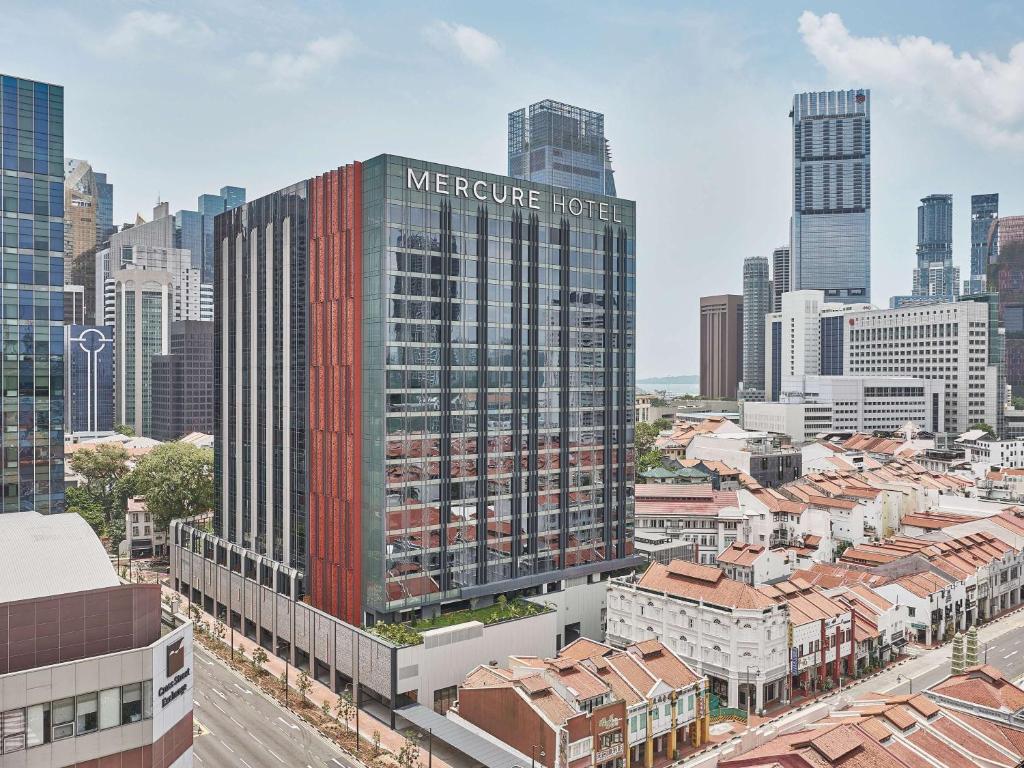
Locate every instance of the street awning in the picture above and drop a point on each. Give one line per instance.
(472, 745)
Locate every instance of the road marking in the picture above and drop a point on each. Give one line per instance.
(218, 706)
(197, 757)
(219, 694)
(335, 761)
(229, 749)
(275, 755)
(245, 763)
(256, 739)
(237, 723)
(1010, 654)
(243, 690)
(294, 727)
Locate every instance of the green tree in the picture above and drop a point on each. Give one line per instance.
(177, 481)
(984, 426)
(1018, 403)
(661, 424)
(115, 532)
(259, 658)
(644, 438)
(344, 708)
(82, 502)
(102, 467)
(124, 429)
(303, 684)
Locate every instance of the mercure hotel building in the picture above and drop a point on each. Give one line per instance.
(424, 389)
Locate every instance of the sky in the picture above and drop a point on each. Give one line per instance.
(172, 100)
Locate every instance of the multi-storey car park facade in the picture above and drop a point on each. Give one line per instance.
(425, 385)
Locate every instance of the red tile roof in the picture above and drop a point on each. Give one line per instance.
(702, 583)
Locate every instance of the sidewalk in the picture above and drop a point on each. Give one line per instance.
(392, 741)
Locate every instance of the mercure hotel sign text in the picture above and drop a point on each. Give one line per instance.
(460, 186)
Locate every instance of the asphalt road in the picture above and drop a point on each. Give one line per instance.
(1005, 653)
(243, 728)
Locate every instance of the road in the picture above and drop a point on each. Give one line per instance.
(243, 728)
(1000, 644)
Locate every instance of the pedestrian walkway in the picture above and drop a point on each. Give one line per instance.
(390, 740)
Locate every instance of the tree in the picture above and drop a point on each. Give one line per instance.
(344, 708)
(115, 532)
(983, 426)
(102, 467)
(259, 658)
(82, 502)
(177, 481)
(661, 424)
(303, 684)
(644, 438)
(409, 755)
(1018, 403)
(124, 429)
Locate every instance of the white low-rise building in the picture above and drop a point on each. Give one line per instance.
(983, 448)
(724, 629)
(811, 405)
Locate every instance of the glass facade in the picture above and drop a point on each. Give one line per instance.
(32, 367)
(984, 238)
(832, 346)
(757, 303)
(559, 144)
(831, 224)
(90, 378)
(488, 444)
(194, 229)
(935, 274)
(499, 358)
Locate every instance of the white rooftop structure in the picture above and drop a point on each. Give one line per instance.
(48, 555)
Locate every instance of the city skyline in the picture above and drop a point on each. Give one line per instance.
(730, 57)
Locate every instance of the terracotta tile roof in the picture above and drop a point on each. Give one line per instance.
(900, 717)
(984, 686)
(806, 603)
(741, 554)
(584, 648)
(607, 668)
(923, 584)
(662, 663)
(702, 583)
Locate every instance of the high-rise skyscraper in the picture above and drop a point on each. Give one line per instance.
(831, 227)
(89, 210)
(413, 412)
(1006, 278)
(89, 377)
(935, 274)
(183, 382)
(194, 229)
(757, 303)
(780, 276)
(104, 208)
(554, 143)
(152, 287)
(32, 368)
(721, 345)
(984, 238)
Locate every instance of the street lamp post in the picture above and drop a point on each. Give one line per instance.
(533, 756)
(430, 748)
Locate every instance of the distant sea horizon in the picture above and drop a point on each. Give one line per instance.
(674, 385)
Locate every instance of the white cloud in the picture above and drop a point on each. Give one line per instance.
(138, 27)
(285, 68)
(472, 44)
(981, 95)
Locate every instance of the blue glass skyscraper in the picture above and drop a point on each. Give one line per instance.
(984, 238)
(90, 378)
(194, 229)
(32, 365)
(104, 208)
(935, 274)
(555, 143)
(830, 248)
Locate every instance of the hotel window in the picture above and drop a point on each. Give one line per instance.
(110, 708)
(86, 718)
(63, 719)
